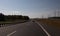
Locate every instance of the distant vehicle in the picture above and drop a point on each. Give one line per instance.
(33, 21)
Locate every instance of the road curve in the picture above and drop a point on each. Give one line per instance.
(24, 29)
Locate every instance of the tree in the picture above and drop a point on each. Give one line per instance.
(2, 17)
(26, 17)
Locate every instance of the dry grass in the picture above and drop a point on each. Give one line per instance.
(54, 23)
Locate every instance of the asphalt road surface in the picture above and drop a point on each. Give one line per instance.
(29, 28)
(23, 29)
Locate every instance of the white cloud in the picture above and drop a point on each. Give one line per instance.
(6, 12)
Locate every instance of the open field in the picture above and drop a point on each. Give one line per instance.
(55, 23)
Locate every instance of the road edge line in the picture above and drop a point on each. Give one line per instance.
(43, 28)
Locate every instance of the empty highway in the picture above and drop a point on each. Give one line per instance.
(22, 29)
(29, 28)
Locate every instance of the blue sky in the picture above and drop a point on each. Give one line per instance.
(32, 8)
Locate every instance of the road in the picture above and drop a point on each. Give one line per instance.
(22, 29)
(29, 28)
(53, 31)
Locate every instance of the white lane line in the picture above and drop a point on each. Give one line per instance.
(43, 29)
(11, 33)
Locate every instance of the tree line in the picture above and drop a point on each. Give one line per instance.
(12, 17)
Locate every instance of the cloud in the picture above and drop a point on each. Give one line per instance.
(6, 12)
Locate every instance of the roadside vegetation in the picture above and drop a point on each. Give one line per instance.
(52, 22)
(7, 19)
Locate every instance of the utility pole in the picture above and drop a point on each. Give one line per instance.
(58, 13)
(42, 16)
(55, 13)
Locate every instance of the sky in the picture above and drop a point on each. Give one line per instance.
(31, 8)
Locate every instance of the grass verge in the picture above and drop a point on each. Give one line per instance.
(12, 22)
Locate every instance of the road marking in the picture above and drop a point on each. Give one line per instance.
(11, 33)
(43, 29)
